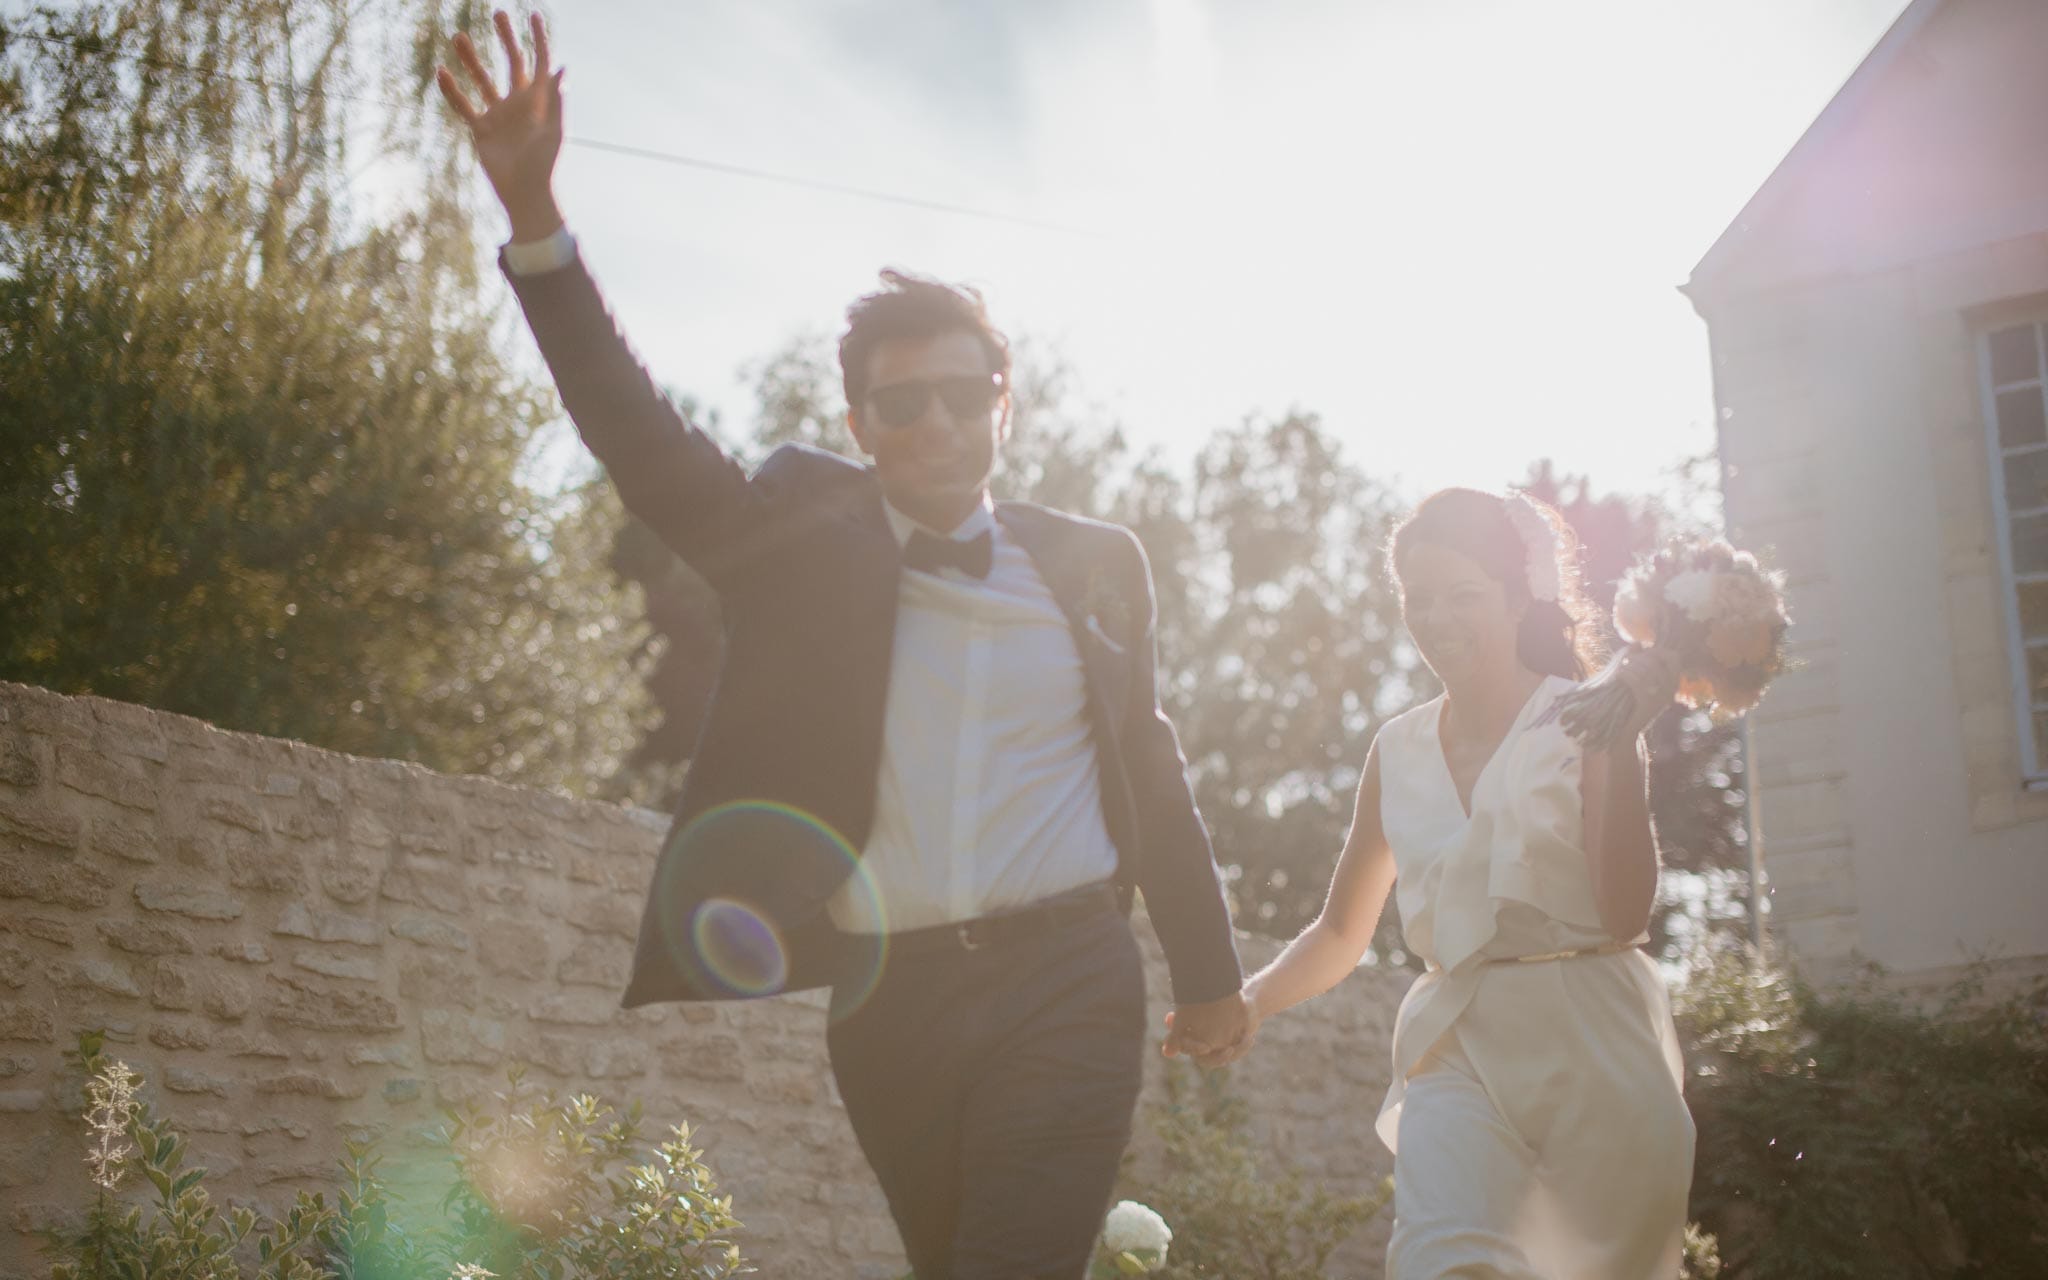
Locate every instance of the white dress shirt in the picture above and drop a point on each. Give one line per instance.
(988, 794)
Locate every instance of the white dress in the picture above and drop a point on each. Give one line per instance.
(1535, 1114)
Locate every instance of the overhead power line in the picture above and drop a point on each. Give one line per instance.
(651, 154)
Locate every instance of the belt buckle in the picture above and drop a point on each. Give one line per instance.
(965, 932)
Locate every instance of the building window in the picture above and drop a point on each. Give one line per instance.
(2016, 377)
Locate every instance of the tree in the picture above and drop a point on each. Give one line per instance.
(259, 450)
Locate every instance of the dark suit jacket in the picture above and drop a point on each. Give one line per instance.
(781, 789)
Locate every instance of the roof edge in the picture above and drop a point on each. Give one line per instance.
(1882, 54)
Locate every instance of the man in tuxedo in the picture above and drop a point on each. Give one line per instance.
(935, 768)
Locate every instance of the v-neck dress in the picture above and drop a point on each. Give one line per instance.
(1572, 1067)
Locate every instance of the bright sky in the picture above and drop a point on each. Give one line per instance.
(1455, 230)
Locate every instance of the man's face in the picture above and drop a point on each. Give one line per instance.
(931, 419)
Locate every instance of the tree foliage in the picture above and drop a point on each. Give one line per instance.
(259, 442)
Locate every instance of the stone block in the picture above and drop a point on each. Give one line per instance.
(39, 822)
(449, 1036)
(264, 867)
(299, 1002)
(245, 1043)
(425, 883)
(309, 1084)
(429, 932)
(349, 878)
(92, 976)
(513, 949)
(45, 714)
(15, 965)
(227, 997)
(431, 979)
(575, 1010)
(329, 964)
(501, 893)
(128, 841)
(56, 932)
(178, 1034)
(21, 1020)
(18, 765)
(126, 721)
(611, 915)
(710, 1059)
(182, 1079)
(93, 774)
(38, 879)
(615, 1059)
(233, 812)
(319, 926)
(199, 903)
(387, 1055)
(402, 1090)
(146, 937)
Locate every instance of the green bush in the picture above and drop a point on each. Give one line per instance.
(183, 1235)
(1231, 1216)
(544, 1189)
(1852, 1134)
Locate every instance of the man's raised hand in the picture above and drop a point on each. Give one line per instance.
(519, 134)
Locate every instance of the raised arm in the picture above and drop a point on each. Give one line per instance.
(669, 474)
(1621, 848)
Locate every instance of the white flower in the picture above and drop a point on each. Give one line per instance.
(1692, 591)
(1135, 1228)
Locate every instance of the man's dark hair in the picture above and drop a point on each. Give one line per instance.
(913, 307)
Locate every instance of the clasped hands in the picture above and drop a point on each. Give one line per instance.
(1214, 1033)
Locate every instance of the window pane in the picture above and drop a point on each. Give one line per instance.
(2019, 418)
(2013, 357)
(2037, 676)
(2026, 480)
(2034, 610)
(2030, 545)
(2040, 733)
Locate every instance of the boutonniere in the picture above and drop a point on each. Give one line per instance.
(1106, 610)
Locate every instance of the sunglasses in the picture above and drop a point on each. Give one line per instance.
(967, 397)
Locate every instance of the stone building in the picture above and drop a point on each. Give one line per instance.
(1878, 316)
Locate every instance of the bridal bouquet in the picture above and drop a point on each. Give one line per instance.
(1714, 611)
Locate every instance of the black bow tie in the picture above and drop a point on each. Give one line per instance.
(970, 556)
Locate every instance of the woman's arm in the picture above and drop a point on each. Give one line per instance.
(1330, 948)
(1621, 849)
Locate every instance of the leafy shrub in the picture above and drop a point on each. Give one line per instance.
(1231, 1216)
(1852, 1134)
(545, 1189)
(183, 1234)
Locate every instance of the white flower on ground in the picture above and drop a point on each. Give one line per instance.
(1692, 591)
(1134, 1228)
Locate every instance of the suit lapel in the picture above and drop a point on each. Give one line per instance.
(1105, 663)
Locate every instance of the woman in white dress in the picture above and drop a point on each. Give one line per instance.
(1535, 1113)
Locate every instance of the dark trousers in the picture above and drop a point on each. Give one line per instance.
(992, 1091)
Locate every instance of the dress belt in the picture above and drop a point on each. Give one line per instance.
(1604, 949)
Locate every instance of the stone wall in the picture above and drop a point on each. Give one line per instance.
(295, 946)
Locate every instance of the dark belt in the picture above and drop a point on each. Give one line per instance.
(1034, 920)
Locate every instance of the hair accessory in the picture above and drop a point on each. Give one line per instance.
(1539, 548)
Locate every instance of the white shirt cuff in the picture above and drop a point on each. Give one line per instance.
(550, 253)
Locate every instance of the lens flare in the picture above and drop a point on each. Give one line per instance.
(744, 889)
(740, 947)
